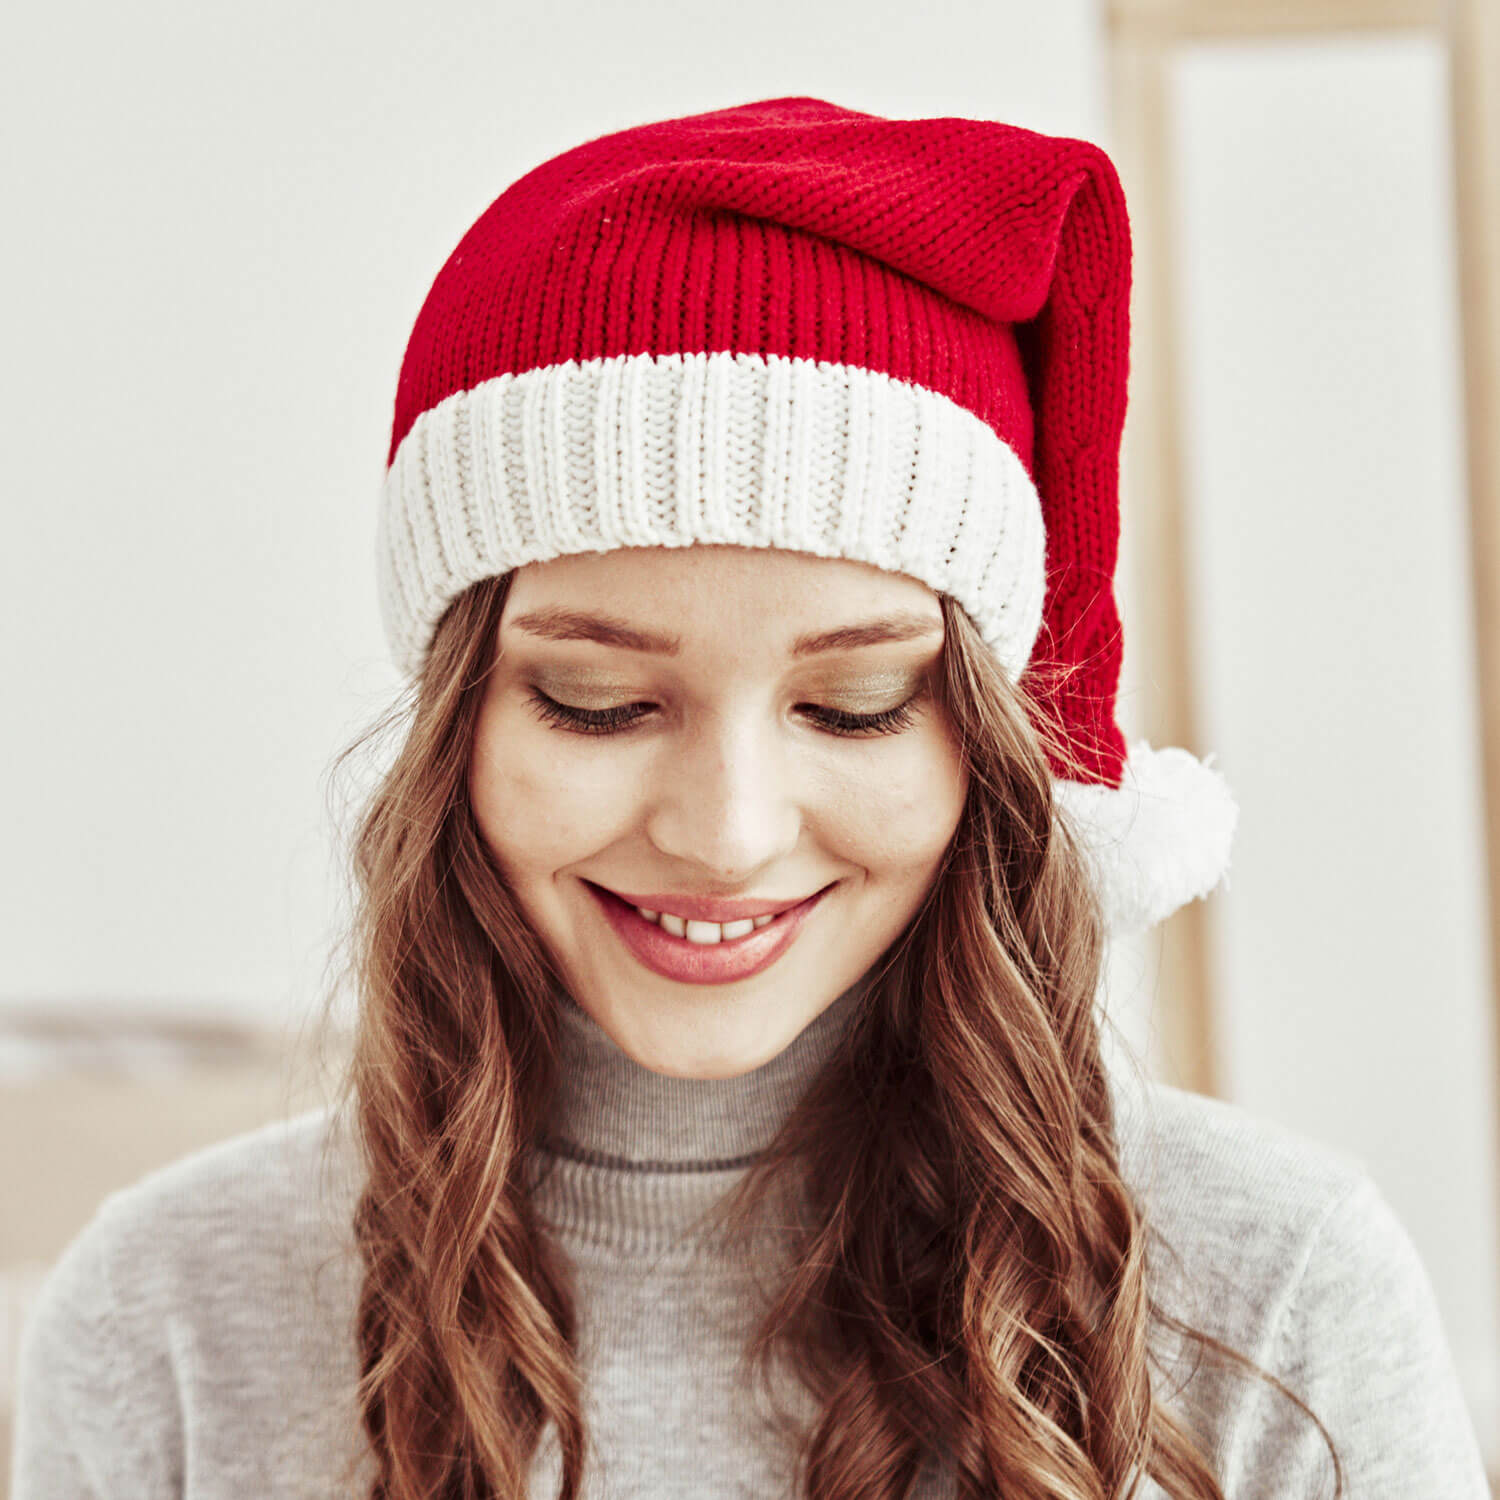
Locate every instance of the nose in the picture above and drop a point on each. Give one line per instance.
(723, 799)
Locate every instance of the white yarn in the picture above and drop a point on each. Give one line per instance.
(1159, 840)
(668, 450)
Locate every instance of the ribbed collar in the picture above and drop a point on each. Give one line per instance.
(637, 1156)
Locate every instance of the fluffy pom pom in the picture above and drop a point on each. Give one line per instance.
(1157, 841)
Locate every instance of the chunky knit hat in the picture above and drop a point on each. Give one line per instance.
(790, 324)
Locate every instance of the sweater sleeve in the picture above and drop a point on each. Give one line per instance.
(1360, 1340)
(96, 1410)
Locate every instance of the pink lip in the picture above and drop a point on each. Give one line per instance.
(703, 963)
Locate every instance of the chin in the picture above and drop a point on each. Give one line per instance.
(717, 1058)
(705, 1073)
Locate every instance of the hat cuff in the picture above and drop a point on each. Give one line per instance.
(1158, 840)
(736, 449)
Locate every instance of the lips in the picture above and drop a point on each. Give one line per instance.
(703, 963)
(719, 909)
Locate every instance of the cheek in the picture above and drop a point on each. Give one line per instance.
(900, 811)
(536, 806)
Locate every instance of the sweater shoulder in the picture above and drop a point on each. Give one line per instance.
(238, 1257)
(1284, 1248)
(1235, 1204)
(223, 1223)
(255, 1192)
(1206, 1165)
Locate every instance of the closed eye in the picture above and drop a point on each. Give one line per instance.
(617, 720)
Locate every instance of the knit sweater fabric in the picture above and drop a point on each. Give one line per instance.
(195, 1339)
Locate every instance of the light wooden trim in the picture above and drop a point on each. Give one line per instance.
(1152, 502)
(1167, 21)
(1142, 34)
(1474, 91)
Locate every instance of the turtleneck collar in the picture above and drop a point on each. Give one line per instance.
(611, 1107)
(636, 1158)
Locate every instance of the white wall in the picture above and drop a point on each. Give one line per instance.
(224, 220)
(1320, 363)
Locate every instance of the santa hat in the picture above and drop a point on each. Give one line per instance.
(790, 324)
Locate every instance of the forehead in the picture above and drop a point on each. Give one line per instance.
(666, 600)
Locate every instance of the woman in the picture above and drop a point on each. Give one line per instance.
(728, 1115)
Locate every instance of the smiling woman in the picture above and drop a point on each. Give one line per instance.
(765, 755)
(747, 540)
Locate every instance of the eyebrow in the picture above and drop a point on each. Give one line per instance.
(556, 623)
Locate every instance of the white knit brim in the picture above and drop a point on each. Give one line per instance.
(763, 451)
(737, 449)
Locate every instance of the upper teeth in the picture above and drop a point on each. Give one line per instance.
(704, 932)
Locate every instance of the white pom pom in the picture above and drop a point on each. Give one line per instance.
(1159, 840)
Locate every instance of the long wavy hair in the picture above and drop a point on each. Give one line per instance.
(967, 1273)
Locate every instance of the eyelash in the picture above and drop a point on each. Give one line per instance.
(614, 720)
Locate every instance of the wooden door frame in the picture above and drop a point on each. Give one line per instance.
(1141, 35)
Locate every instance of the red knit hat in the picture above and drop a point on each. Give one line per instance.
(790, 324)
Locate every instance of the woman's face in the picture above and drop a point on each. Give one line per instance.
(724, 774)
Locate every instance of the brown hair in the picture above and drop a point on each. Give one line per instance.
(970, 1262)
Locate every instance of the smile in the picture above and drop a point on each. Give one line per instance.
(705, 932)
(694, 951)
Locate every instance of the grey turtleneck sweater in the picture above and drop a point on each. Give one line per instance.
(194, 1341)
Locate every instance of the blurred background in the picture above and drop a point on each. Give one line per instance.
(223, 221)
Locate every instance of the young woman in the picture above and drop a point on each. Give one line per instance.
(727, 1114)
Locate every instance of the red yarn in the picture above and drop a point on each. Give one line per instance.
(982, 261)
